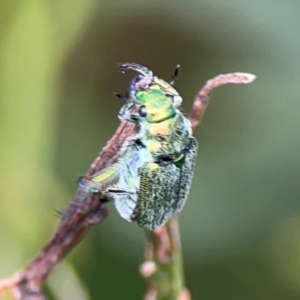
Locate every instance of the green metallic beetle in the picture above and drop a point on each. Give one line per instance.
(150, 181)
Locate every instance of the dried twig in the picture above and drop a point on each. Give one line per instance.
(163, 252)
(84, 211)
(201, 100)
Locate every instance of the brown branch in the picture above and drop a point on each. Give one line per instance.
(163, 266)
(201, 100)
(86, 209)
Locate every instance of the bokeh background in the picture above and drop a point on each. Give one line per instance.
(241, 225)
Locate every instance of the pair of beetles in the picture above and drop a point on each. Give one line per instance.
(150, 180)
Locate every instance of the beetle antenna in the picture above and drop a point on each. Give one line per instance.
(119, 95)
(175, 74)
(135, 67)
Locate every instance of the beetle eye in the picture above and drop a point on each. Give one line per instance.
(142, 111)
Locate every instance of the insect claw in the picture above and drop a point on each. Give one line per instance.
(59, 213)
(80, 183)
(79, 180)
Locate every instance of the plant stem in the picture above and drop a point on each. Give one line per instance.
(164, 264)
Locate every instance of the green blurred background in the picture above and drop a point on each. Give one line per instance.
(241, 225)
